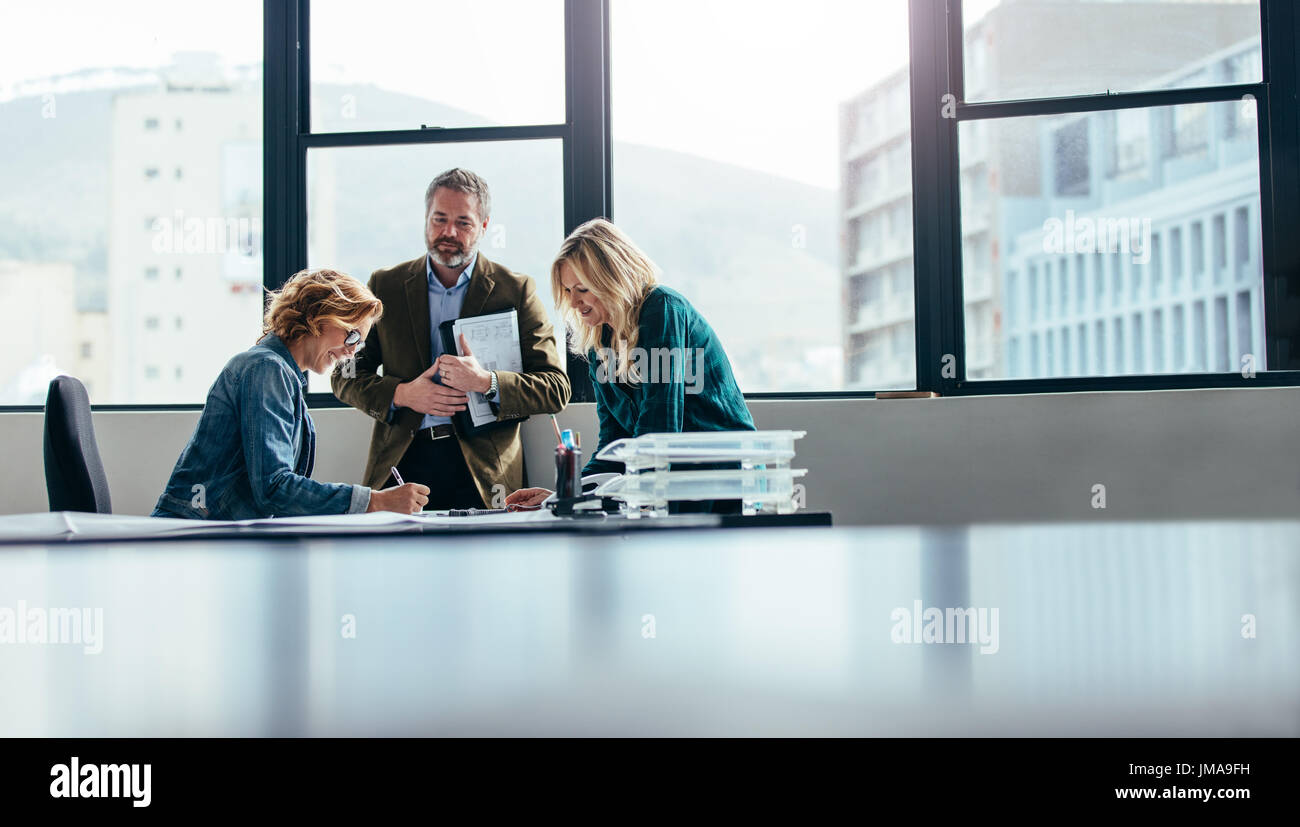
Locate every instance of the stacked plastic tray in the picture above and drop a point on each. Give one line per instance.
(665, 468)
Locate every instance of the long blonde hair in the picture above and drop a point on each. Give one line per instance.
(620, 276)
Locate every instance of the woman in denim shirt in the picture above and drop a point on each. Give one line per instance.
(252, 453)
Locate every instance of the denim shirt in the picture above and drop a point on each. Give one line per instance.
(252, 453)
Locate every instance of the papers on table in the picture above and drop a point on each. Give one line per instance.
(70, 525)
(507, 518)
(494, 341)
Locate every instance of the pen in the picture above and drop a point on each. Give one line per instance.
(555, 423)
(398, 476)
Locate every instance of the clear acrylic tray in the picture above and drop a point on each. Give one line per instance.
(768, 490)
(750, 448)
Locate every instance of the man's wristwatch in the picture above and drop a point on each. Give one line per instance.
(492, 391)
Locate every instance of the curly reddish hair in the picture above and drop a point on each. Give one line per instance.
(311, 299)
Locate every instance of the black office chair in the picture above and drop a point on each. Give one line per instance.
(74, 473)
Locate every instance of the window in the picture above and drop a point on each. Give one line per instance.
(1219, 254)
(1090, 48)
(1222, 353)
(1132, 142)
(1011, 303)
(365, 207)
(1157, 271)
(89, 222)
(1139, 345)
(1063, 294)
(1080, 282)
(1117, 275)
(1243, 317)
(1071, 158)
(1141, 174)
(499, 62)
(1241, 236)
(1083, 350)
(1200, 342)
(1098, 281)
(1048, 302)
(759, 156)
(1180, 339)
(739, 172)
(1198, 253)
(1190, 130)
(1135, 280)
(1176, 255)
(499, 111)
(1118, 228)
(1158, 341)
(1117, 352)
(1033, 292)
(1099, 365)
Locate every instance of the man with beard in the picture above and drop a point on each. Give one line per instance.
(422, 387)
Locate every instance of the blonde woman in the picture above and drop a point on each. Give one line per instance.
(656, 365)
(253, 450)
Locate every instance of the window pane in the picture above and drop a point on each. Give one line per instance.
(1143, 244)
(403, 64)
(366, 207)
(131, 211)
(774, 193)
(1033, 49)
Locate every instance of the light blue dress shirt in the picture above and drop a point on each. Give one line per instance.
(444, 305)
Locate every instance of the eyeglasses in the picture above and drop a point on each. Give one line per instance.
(353, 338)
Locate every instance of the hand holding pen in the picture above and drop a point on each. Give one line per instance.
(403, 498)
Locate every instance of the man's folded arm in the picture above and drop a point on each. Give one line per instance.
(365, 389)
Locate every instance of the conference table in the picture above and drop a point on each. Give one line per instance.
(688, 628)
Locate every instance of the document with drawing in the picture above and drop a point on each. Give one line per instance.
(494, 341)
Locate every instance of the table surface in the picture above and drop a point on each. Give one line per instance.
(1101, 629)
(76, 527)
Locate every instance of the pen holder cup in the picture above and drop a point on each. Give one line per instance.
(568, 472)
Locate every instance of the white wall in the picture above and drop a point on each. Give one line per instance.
(1161, 455)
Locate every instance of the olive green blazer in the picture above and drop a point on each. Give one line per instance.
(399, 343)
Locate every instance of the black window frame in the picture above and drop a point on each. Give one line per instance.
(936, 73)
(938, 87)
(287, 136)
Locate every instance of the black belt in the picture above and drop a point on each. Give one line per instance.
(436, 432)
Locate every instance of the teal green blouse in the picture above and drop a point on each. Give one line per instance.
(686, 380)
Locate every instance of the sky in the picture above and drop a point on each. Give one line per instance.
(756, 83)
